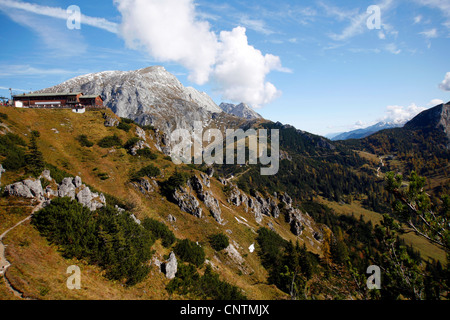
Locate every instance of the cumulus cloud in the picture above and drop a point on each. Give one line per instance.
(241, 70)
(172, 31)
(401, 114)
(445, 85)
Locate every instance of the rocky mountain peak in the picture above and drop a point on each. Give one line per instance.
(437, 117)
(241, 110)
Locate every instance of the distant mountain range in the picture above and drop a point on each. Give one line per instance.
(365, 132)
(428, 116)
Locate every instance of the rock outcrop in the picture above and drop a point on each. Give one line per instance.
(292, 215)
(207, 196)
(140, 145)
(259, 205)
(213, 205)
(26, 189)
(20, 189)
(46, 175)
(69, 187)
(110, 121)
(87, 199)
(145, 186)
(1, 172)
(141, 133)
(171, 266)
(187, 202)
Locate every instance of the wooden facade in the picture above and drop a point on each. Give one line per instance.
(57, 100)
(91, 101)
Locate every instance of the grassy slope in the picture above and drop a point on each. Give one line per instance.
(426, 248)
(38, 269)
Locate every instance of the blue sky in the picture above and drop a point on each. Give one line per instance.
(312, 64)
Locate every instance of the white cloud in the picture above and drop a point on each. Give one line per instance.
(360, 125)
(432, 33)
(13, 89)
(59, 13)
(435, 102)
(445, 84)
(442, 5)
(358, 20)
(255, 25)
(418, 19)
(172, 31)
(241, 70)
(392, 48)
(19, 70)
(54, 39)
(401, 114)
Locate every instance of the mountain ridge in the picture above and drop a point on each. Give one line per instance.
(241, 110)
(365, 132)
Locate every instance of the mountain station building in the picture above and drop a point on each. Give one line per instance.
(73, 100)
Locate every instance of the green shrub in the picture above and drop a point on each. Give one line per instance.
(103, 176)
(12, 148)
(3, 116)
(209, 286)
(107, 238)
(109, 142)
(282, 259)
(148, 128)
(126, 121)
(84, 141)
(160, 231)
(148, 171)
(131, 143)
(219, 241)
(124, 126)
(14, 160)
(147, 153)
(176, 180)
(189, 251)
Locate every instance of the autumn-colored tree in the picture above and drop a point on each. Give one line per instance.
(327, 243)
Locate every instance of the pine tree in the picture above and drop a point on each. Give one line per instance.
(34, 159)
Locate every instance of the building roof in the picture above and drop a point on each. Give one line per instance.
(90, 97)
(57, 94)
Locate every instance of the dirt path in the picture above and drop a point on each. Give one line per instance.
(4, 263)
